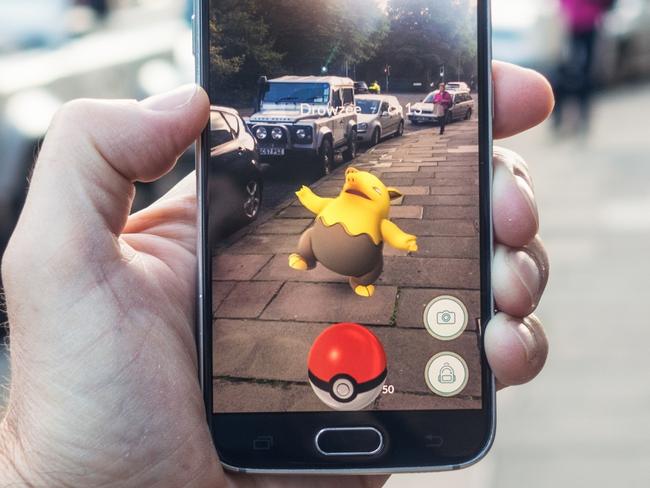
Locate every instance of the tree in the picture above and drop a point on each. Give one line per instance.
(426, 34)
(241, 48)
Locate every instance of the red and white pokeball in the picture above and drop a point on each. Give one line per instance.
(347, 366)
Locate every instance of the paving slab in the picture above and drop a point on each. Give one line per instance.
(247, 299)
(233, 267)
(331, 302)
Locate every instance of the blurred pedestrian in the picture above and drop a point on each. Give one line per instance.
(575, 73)
(444, 100)
(375, 88)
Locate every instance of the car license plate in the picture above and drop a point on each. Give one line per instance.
(271, 151)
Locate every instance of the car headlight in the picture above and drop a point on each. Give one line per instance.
(363, 126)
(261, 133)
(277, 133)
(301, 134)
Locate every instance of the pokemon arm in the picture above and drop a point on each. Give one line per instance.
(311, 201)
(397, 238)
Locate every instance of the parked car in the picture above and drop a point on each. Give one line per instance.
(378, 116)
(308, 115)
(462, 108)
(361, 88)
(234, 175)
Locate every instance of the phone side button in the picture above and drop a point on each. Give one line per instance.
(349, 441)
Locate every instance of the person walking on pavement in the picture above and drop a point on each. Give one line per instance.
(583, 18)
(443, 98)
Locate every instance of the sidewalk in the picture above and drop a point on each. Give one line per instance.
(269, 314)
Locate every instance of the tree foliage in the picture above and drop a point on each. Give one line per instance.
(250, 38)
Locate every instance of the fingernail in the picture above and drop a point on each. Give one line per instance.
(524, 266)
(526, 337)
(171, 101)
(527, 192)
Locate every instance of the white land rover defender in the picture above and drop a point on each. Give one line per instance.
(311, 115)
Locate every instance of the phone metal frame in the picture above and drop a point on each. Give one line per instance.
(204, 305)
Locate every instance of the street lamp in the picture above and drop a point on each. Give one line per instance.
(387, 73)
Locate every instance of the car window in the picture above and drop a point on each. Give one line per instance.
(368, 106)
(384, 107)
(233, 122)
(336, 98)
(348, 96)
(220, 132)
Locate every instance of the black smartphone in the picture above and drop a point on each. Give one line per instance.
(345, 233)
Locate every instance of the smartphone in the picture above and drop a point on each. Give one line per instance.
(344, 184)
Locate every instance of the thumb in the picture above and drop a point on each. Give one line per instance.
(82, 188)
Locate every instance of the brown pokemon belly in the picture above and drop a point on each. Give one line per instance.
(342, 253)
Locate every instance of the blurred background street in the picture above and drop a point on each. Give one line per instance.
(584, 421)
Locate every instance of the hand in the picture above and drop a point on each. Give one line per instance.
(101, 305)
(412, 244)
(304, 192)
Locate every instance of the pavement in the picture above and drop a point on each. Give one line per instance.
(584, 422)
(268, 314)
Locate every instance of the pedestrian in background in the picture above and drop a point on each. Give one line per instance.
(444, 100)
(575, 73)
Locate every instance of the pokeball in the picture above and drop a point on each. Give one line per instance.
(347, 367)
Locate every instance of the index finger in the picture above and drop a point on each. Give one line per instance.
(523, 99)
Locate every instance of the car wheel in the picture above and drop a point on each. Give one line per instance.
(252, 200)
(326, 157)
(376, 137)
(468, 114)
(351, 152)
(400, 129)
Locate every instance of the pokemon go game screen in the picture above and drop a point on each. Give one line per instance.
(343, 181)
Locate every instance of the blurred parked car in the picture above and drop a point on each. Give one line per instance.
(530, 33)
(33, 23)
(624, 47)
(462, 108)
(234, 175)
(379, 116)
(361, 88)
(127, 60)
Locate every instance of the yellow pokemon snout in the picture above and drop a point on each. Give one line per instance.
(361, 184)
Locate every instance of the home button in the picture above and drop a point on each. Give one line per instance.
(349, 441)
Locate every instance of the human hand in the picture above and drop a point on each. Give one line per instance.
(101, 305)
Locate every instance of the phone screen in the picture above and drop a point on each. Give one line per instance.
(344, 205)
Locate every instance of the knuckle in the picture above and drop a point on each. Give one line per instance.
(73, 113)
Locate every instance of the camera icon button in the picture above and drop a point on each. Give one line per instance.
(446, 317)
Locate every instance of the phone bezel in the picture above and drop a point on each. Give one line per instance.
(468, 434)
